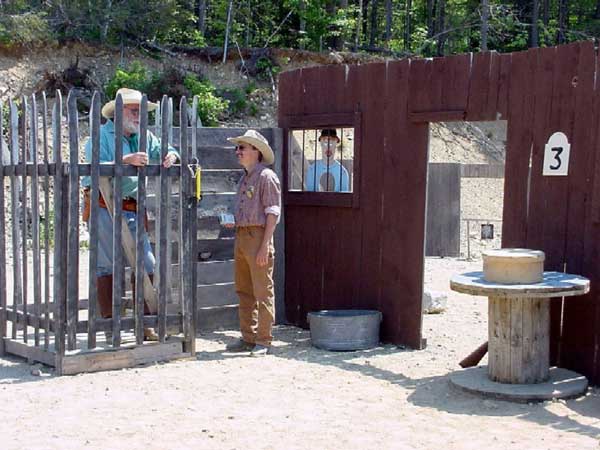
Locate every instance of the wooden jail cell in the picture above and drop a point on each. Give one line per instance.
(44, 313)
(368, 252)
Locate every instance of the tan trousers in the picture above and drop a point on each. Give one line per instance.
(254, 286)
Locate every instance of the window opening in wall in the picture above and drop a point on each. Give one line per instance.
(321, 160)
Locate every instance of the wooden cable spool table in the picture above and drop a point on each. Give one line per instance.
(519, 336)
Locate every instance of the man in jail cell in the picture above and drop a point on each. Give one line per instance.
(131, 155)
(327, 174)
(257, 212)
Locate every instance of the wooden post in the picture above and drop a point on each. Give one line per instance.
(24, 218)
(46, 225)
(185, 256)
(519, 340)
(35, 222)
(193, 218)
(164, 219)
(59, 234)
(93, 220)
(3, 314)
(14, 199)
(117, 202)
(73, 224)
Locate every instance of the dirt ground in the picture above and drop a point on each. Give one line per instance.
(298, 397)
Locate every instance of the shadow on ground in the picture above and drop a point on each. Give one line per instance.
(430, 392)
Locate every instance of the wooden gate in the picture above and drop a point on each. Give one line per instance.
(44, 315)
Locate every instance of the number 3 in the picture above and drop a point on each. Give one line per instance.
(558, 151)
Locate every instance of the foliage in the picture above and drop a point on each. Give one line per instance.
(239, 101)
(30, 29)
(169, 81)
(436, 27)
(210, 107)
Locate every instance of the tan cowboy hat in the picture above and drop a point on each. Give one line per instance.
(256, 139)
(130, 97)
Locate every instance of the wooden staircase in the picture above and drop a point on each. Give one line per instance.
(217, 301)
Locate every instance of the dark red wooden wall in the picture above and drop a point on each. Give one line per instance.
(376, 259)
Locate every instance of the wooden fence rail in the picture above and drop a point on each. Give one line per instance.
(44, 315)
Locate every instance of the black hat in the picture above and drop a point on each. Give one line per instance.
(329, 132)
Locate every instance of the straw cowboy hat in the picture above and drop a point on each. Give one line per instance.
(130, 97)
(256, 139)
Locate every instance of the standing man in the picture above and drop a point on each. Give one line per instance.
(327, 174)
(131, 155)
(257, 212)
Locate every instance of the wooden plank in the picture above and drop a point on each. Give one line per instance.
(499, 340)
(195, 122)
(3, 293)
(550, 194)
(520, 318)
(493, 86)
(371, 78)
(217, 294)
(579, 325)
(35, 218)
(478, 88)
(138, 261)
(24, 108)
(518, 149)
(30, 352)
(93, 220)
(117, 199)
(503, 85)
(217, 318)
(73, 223)
(162, 249)
(14, 217)
(60, 225)
(47, 215)
(123, 358)
(404, 202)
(455, 92)
(185, 251)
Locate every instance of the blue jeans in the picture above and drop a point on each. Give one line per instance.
(105, 242)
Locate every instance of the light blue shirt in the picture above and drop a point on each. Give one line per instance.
(130, 145)
(317, 178)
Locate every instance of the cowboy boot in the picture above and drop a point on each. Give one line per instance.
(104, 296)
(149, 333)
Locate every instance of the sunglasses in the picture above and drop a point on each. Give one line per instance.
(241, 148)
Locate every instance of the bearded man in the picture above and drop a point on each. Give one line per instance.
(131, 155)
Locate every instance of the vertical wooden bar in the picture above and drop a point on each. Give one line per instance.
(73, 224)
(93, 221)
(118, 225)
(14, 199)
(164, 218)
(59, 235)
(35, 221)
(46, 224)
(3, 301)
(169, 198)
(193, 218)
(139, 237)
(24, 218)
(186, 266)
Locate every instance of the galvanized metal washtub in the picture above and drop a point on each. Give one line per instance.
(344, 329)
